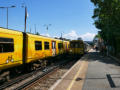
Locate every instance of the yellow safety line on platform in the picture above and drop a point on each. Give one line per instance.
(75, 77)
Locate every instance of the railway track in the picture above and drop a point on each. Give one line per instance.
(48, 80)
(31, 83)
(18, 79)
(41, 77)
(42, 74)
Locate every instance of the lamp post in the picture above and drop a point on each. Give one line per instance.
(7, 12)
(25, 17)
(61, 35)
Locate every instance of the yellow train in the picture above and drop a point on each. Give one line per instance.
(18, 48)
(79, 47)
(21, 51)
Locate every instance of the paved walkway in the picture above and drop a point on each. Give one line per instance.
(92, 72)
(103, 73)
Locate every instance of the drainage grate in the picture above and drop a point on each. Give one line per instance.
(78, 79)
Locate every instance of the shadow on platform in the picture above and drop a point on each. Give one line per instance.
(96, 56)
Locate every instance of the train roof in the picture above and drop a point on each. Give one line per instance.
(41, 36)
(11, 31)
(45, 37)
(76, 41)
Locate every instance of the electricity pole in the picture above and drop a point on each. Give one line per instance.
(47, 26)
(35, 28)
(25, 18)
(30, 29)
(24, 6)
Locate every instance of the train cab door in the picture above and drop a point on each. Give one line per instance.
(53, 48)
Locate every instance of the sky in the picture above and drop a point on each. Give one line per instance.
(72, 18)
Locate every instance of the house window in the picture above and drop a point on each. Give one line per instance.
(6, 45)
(46, 45)
(38, 45)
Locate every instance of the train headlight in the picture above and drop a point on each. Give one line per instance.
(7, 61)
(12, 60)
(70, 50)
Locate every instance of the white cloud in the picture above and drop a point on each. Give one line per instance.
(88, 36)
(73, 35)
(48, 35)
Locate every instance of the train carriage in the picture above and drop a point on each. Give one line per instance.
(77, 47)
(11, 45)
(37, 47)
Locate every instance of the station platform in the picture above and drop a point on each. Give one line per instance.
(92, 72)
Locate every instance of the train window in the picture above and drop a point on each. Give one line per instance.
(72, 45)
(6, 45)
(65, 45)
(68, 46)
(81, 46)
(53, 45)
(60, 45)
(38, 45)
(76, 45)
(46, 45)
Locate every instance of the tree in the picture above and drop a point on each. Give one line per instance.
(107, 19)
(37, 33)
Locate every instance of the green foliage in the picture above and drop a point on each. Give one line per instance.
(97, 36)
(107, 19)
(37, 33)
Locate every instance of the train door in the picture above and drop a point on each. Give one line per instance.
(53, 48)
(65, 47)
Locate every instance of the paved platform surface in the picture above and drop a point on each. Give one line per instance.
(92, 72)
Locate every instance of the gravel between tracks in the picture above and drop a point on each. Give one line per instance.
(46, 83)
(26, 80)
(51, 79)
